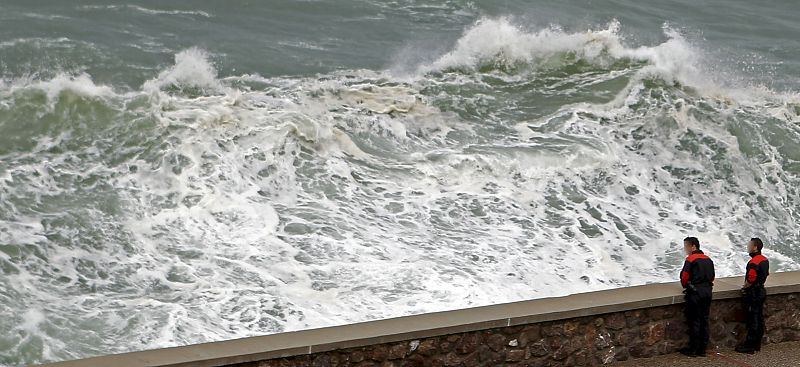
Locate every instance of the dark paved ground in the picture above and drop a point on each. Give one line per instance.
(772, 355)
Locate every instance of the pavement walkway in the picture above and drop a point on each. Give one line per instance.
(771, 355)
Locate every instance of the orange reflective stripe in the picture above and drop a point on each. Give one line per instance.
(758, 259)
(684, 278)
(693, 257)
(751, 275)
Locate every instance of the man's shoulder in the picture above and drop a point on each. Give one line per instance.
(758, 259)
(698, 256)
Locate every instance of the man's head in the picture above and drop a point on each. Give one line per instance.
(755, 245)
(691, 244)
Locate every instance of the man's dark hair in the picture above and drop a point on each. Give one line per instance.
(758, 242)
(693, 241)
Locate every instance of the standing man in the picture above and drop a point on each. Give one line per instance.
(753, 296)
(697, 278)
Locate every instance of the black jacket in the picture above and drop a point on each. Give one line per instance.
(698, 270)
(757, 270)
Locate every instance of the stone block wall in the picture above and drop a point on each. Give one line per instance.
(583, 341)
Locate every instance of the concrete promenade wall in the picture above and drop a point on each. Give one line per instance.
(584, 329)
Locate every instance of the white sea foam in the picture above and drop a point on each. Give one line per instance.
(146, 10)
(38, 41)
(499, 42)
(192, 69)
(81, 85)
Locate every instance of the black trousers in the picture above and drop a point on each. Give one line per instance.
(698, 307)
(754, 307)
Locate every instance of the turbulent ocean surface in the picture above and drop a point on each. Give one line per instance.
(175, 172)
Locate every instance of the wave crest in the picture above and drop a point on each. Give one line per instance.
(192, 70)
(498, 44)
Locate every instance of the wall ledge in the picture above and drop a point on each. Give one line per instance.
(425, 325)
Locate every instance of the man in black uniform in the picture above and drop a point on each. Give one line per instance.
(753, 296)
(697, 278)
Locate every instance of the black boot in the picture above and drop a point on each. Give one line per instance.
(688, 351)
(746, 349)
(700, 352)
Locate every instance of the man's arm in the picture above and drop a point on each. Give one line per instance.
(751, 276)
(685, 274)
(713, 273)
